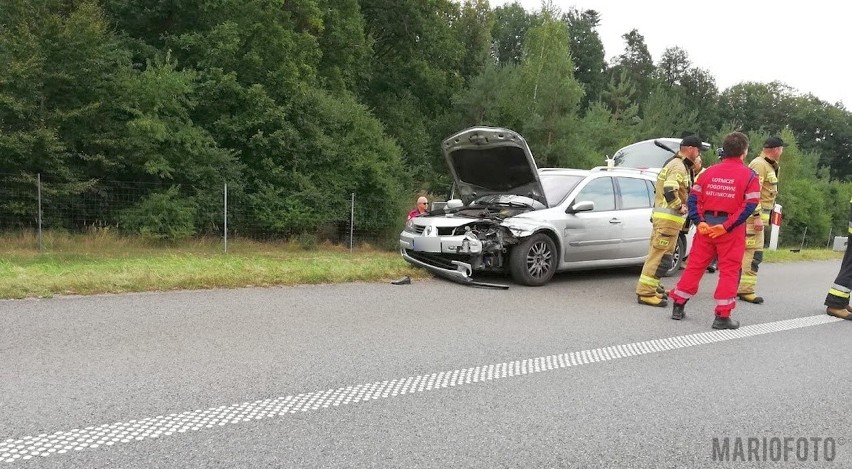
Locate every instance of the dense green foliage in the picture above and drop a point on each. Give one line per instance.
(297, 104)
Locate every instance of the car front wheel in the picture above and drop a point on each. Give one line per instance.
(533, 261)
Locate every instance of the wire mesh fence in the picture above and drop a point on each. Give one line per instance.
(40, 204)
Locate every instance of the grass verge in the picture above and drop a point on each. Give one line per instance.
(110, 264)
(786, 255)
(103, 262)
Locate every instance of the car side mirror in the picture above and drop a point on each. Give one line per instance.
(454, 203)
(584, 206)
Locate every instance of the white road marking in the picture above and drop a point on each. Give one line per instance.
(94, 437)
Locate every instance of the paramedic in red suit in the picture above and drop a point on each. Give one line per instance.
(720, 202)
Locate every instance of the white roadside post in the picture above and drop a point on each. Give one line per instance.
(775, 227)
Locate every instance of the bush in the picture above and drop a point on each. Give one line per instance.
(307, 241)
(163, 216)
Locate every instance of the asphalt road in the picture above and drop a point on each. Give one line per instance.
(432, 374)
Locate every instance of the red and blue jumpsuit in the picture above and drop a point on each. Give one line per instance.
(726, 193)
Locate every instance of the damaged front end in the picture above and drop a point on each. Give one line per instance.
(497, 179)
(455, 248)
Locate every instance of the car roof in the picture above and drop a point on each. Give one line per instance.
(565, 171)
(621, 171)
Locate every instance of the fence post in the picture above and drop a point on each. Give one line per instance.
(804, 235)
(351, 223)
(40, 241)
(226, 218)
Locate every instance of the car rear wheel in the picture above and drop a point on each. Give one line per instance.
(533, 261)
(677, 256)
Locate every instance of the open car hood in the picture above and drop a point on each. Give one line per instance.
(492, 160)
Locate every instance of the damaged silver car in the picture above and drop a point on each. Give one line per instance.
(512, 217)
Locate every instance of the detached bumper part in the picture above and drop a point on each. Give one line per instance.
(461, 274)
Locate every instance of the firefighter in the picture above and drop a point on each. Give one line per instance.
(721, 200)
(766, 167)
(837, 300)
(667, 217)
(697, 169)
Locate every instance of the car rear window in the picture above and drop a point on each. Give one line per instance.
(644, 155)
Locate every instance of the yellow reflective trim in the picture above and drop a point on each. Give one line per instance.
(648, 280)
(764, 217)
(668, 216)
(838, 293)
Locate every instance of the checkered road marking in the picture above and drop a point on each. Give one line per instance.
(94, 437)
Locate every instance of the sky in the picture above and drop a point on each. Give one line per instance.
(806, 45)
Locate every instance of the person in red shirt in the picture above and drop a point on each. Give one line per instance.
(420, 209)
(721, 200)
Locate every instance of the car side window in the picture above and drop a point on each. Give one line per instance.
(634, 193)
(599, 191)
(652, 189)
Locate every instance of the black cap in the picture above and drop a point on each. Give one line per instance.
(774, 142)
(691, 141)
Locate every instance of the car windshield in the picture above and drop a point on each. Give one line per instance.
(509, 200)
(557, 186)
(645, 154)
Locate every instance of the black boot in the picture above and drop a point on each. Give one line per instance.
(677, 311)
(725, 323)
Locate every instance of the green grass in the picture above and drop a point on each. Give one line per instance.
(106, 263)
(786, 255)
(103, 262)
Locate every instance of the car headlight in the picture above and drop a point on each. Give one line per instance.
(409, 227)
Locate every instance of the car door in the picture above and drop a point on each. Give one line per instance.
(593, 235)
(635, 201)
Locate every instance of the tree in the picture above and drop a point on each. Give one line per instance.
(757, 106)
(636, 61)
(335, 149)
(345, 48)
(665, 114)
(483, 102)
(696, 87)
(702, 95)
(511, 23)
(827, 130)
(587, 52)
(619, 95)
(544, 97)
(473, 29)
(673, 66)
(601, 133)
(58, 111)
(164, 145)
